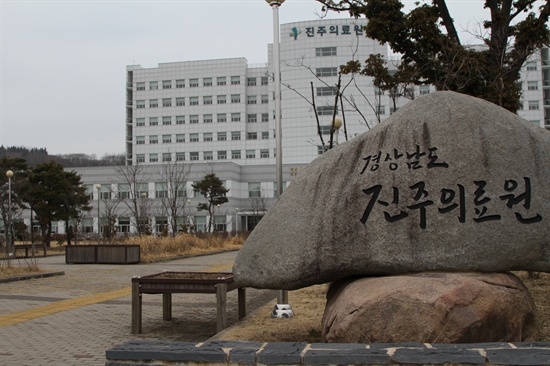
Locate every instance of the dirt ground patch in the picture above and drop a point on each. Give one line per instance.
(308, 305)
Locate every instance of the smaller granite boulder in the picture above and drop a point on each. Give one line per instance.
(430, 308)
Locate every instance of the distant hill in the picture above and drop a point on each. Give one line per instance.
(34, 156)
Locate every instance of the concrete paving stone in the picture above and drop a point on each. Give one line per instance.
(532, 356)
(281, 353)
(346, 356)
(62, 338)
(442, 355)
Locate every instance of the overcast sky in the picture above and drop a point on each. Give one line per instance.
(63, 63)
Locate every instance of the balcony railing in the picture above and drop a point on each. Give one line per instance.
(129, 103)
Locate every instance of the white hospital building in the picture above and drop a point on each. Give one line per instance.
(219, 115)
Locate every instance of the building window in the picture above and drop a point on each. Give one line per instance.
(123, 225)
(254, 189)
(207, 136)
(221, 99)
(193, 83)
(166, 157)
(235, 80)
(207, 99)
(140, 104)
(235, 135)
(265, 135)
(235, 98)
(153, 103)
(221, 80)
(325, 130)
(180, 137)
(166, 121)
(207, 155)
(265, 99)
(235, 117)
(264, 80)
(265, 117)
(532, 85)
(325, 51)
(325, 91)
(153, 139)
(194, 137)
(222, 136)
(207, 118)
(140, 122)
(251, 118)
(221, 117)
(250, 99)
(252, 136)
(381, 109)
(153, 85)
(194, 118)
(207, 82)
(194, 155)
(140, 140)
(180, 102)
(326, 71)
(140, 86)
(153, 121)
(180, 83)
(167, 84)
(200, 223)
(264, 153)
(222, 155)
(140, 158)
(533, 105)
(325, 110)
(193, 100)
(251, 154)
(180, 156)
(153, 158)
(531, 66)
(166, 139)
(180, 120)
(250, 81)
(235, 154)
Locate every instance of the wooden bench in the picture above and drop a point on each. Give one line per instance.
(28, 247)
(167, 283)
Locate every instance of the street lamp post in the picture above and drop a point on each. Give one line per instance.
(98, 187)
(237, 221)
(9, 238)
(282, 296)
(337, 123)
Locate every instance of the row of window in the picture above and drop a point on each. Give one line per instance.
(123, 226)
(194, 82)
(161, 190)
(206, 118)
(206, 100)
(206, 155)
(206, 136)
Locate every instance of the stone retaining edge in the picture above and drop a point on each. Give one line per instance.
(155, 352)
(28, 277)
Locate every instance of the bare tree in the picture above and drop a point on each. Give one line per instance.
(109, 216)
(174, 176)
(135, 177)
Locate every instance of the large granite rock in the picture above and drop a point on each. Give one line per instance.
(448, 183)
(430, 308)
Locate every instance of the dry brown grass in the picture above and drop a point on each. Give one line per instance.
(18, 267)
(309, 304)
(158, 248)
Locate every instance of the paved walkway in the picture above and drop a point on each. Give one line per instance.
(72, 319)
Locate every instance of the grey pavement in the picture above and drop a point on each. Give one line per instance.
(81, 335)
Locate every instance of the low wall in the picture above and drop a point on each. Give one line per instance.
(153, 353)
(102, 254)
